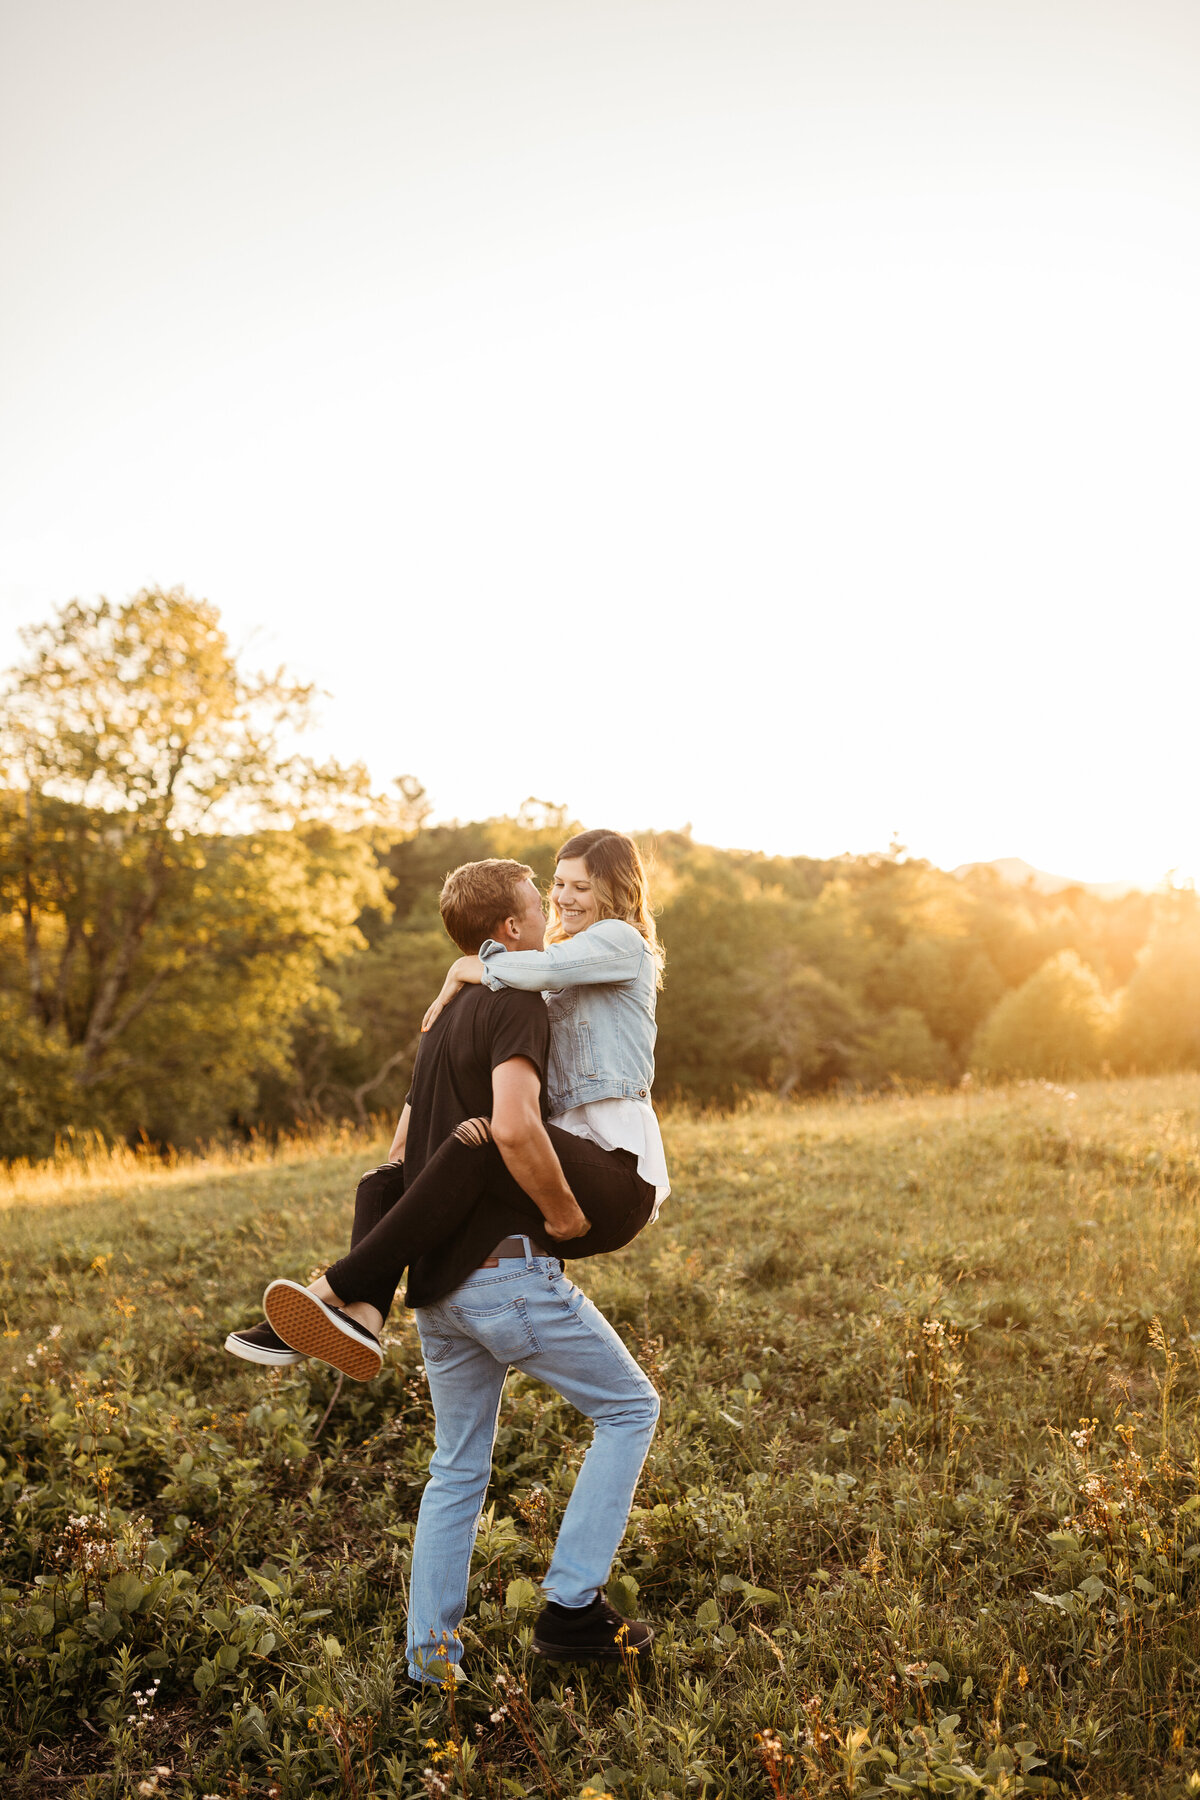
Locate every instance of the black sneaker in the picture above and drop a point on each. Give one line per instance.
(315, 1328)
(262, 1345)
(593, 1633)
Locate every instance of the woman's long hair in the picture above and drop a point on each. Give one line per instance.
(619, 883)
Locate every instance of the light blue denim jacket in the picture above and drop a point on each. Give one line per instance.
(600, 989)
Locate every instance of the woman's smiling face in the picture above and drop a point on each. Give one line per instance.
(571, 892)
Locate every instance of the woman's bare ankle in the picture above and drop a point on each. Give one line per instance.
(361, 1310)
(365, 1314)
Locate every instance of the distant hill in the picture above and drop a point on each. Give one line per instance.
(1018, 873)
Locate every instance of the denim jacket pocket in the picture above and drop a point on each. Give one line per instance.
(584, 1055)
(556, 1082)
(602, 1041)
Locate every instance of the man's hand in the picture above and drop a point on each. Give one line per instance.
(466, 972)
(527, 1151)
(574, 1226)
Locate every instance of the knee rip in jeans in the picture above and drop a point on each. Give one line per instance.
(476, 1132)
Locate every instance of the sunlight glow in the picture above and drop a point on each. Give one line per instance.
(786, 413)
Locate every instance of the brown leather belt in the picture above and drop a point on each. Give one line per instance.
(513, 1246)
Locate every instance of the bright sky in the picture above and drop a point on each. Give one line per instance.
(778, 415)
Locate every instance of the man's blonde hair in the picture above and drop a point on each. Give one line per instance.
(477, 897)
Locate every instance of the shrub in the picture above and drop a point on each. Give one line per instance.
(38, 1096)
(1158, 1023)
(1056, 1025)
(904, 1049)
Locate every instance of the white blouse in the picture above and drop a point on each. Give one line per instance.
(624, 1125)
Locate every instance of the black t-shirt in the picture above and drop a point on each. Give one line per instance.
(452, 1076)
(452, 1081)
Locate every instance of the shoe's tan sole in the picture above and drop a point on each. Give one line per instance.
(300, 1322)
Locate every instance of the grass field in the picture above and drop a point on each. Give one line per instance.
(922, 1514)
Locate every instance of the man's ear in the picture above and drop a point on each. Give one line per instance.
(511, 928)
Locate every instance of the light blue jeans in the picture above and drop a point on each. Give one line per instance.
(523, 1314)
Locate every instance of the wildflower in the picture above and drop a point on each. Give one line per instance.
(144, 1701)
(874, 1562)
(769, 1747)
(55, 1331)
(27, 1397)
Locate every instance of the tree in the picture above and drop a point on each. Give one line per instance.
(353, 1049)
(1158, 1024)
(948, 980)
(806, 1024)
(713, 935)
(38, 1097)
(178, 872)
(901, 1047)
(1055, 1025)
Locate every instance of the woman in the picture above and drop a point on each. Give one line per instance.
(601, 972)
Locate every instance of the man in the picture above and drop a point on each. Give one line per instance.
(496, 1298)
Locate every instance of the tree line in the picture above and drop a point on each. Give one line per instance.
(206, 931)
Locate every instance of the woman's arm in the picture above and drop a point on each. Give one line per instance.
(609, 951)
(466, 972)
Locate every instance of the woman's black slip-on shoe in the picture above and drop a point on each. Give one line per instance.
(262, 1345)
(315, 1328)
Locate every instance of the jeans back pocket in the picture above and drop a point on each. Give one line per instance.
(505, 1331)
(436, 1341)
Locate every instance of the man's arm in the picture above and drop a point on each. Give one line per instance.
(526, 1149)
(396, 1153)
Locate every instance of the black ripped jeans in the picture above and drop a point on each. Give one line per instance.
(461, 1193)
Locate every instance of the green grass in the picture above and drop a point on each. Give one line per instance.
(867, 1534)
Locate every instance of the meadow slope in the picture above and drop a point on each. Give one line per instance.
(922, 1514)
